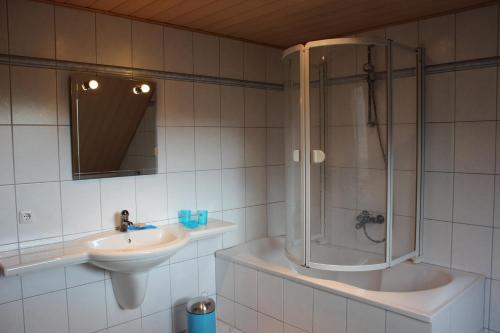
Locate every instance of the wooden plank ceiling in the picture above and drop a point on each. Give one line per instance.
(279, 23)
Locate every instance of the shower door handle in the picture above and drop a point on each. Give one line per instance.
(317, 156)
(296, 155)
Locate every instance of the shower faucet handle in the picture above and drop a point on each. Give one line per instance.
(317, 156)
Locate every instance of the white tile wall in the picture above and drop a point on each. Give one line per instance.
(202, 147)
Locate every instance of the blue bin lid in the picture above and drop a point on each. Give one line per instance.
(200, 305)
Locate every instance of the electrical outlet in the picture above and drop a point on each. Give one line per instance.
(25, 217)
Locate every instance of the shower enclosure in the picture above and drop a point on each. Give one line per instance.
(353, 152)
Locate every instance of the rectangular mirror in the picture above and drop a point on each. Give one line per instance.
(113, 126)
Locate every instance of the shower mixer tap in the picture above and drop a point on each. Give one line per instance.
(365, 217)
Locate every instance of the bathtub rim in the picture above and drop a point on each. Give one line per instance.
(466, 281)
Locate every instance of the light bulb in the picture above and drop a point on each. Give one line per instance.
(145, 88)
(92, 84)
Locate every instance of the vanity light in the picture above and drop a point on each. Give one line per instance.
(92, 84)
(142, 89)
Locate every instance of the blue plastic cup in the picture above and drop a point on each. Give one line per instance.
(202, 217)
(184, 216)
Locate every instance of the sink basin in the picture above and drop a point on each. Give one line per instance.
(129, 257)
(135, 251)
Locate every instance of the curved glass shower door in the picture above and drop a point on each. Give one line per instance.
(353, 153)
(294, 162)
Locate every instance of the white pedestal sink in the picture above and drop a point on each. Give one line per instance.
(129, 257)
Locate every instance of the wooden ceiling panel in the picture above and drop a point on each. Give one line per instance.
(279, 23)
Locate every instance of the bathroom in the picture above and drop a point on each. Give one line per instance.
(406, 99)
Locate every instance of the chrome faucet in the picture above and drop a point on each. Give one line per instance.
(124, 222)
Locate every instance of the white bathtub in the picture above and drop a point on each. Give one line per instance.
(442, 300)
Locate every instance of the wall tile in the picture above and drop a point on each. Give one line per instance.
(6, 163)
(255, 147)
(33, 96)
(180, 149)
(255, 191)
(476, 94)
(231, 58)
(8, 219)
(208, 190)
(473, 199)
(178, 46)
(85, 302)
(10, 289)
(274, 67)
(291, 329)
(406, 34)
(75, 35)
(476, 33)
(208, 246)
(245, 286)
(256, 222)
(114, 40)
(226, 310)
(364, 318)
(38, 319)
(245, 319)
(439, 147)
(147, 39)
(206, 54)
(158, 293)
(207, 147)
(31, 29)
(298, 305)
(276, 219)
(5, 114)
(179, 107)
(233, 147)
(495, 305)
(275, 183)
(42, 282)
(330, 313)
(181, 192)
(270, 295)
(115, 314)
(474, 147)
(233, 188)
(440, 97)
(437, 35)
(236, 237)
(78, 197)
(4, 33)
(117, 194)
(151, 198)
(397, 323)
(269, 325)
(182, 276)
(437, 242)
(495, 273)
(206, 280)
(255, 62)
(77, 275)
(206, 104)
(44, 201)
(255, 107)
(497, 203)
(472, 248)
(224, 273)
(275, 108)
(158, 322)
(11, 317)
(275, 146)
(232, 101)
(133, 326)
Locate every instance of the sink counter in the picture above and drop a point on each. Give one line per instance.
(76, 251)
